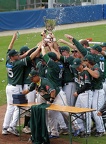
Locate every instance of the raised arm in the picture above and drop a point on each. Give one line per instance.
(93, 73)
(12, 41)
(35, 53)
(67, 43)
(78, 45)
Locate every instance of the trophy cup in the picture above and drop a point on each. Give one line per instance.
(49, 24)
(48, 32)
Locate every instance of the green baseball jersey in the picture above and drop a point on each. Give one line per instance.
(35, 61)
(26, 72)
(15, 70)
(54, 71)
(80, 47)
(44, 88)
(68, 75)
(102, 65)
(42, 68)
(97, 82)
(82, 78)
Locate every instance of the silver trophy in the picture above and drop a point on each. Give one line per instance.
(49, 24)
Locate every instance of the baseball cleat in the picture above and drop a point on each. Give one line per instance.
(13, 131)
(26, 130)
(4, 131)
(64, 132)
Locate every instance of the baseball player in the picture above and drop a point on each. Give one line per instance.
(69, 86)
(103, 65)
(47, 92)
(67, 77)
(15, 69)
(83, 94)
(31, 97)
(26, 82)
(98, 93)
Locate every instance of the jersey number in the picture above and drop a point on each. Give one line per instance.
(10, 73)
(60, 73)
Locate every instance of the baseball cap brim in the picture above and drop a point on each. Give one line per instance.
(13, 53)
(30, 77)
(75, 66)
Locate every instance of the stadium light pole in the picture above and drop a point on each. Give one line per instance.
(17, 4)
(50, 3)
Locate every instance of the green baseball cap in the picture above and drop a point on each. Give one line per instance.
(52, 55)
(32, 74)
(76, 63)
(23, 49)
(103, 45)
(97, 47)
(64, 48)
(89, 58)
(13, 52)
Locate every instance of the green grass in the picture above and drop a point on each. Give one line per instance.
(90, 140)
(97, 33)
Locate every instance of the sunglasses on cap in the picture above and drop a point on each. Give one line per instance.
(85, 60)
(74, 51)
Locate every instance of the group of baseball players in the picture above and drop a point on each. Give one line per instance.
(73, 74)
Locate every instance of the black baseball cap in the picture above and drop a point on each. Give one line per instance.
(13, 52)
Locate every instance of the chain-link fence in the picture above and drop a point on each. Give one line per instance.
(11, 5)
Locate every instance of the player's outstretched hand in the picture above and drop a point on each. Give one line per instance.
(15, 36)
(69, 37)
(61, 41)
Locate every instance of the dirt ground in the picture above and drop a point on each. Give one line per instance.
(11, 139)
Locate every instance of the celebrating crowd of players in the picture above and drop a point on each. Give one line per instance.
(73, 74)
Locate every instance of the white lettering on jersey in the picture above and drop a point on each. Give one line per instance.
(101, 66)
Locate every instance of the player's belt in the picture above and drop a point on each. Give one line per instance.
(11, 84)
(66, 84)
